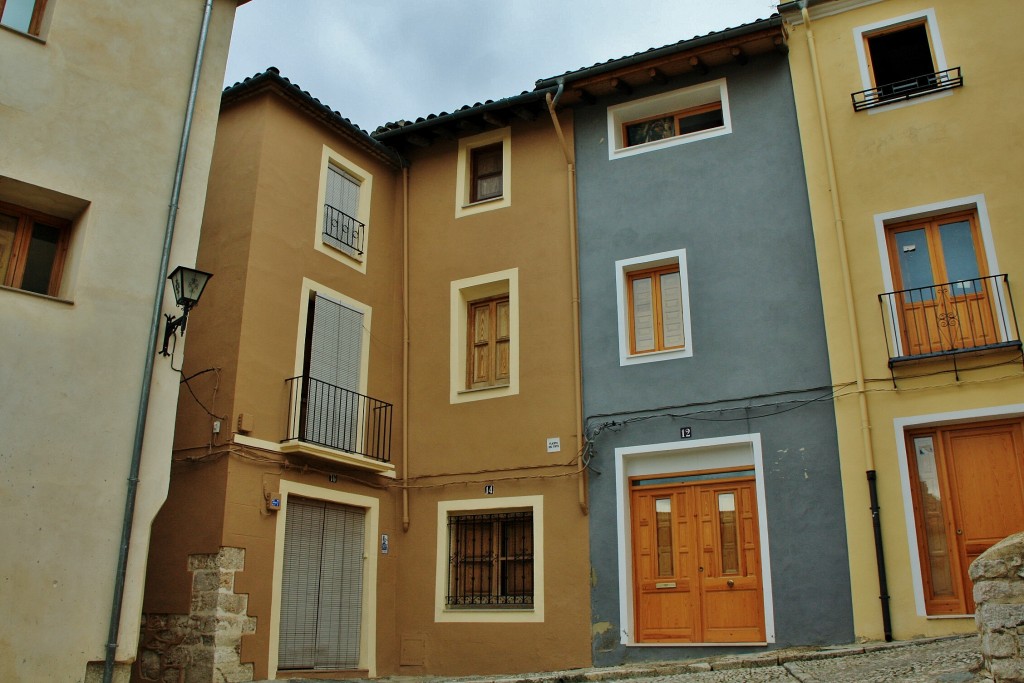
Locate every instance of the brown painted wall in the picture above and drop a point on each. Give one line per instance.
(258, 237)
(473, 441)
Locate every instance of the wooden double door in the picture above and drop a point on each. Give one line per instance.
(968, 490)
(696, 559)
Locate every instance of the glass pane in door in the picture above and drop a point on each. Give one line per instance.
(663, 521)
(915, 264)
(960, 258)
(728, 533)
(933, 517)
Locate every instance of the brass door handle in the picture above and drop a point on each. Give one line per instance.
(730, 583)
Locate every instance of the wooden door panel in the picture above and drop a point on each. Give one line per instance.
(988, 489)
(710, 591)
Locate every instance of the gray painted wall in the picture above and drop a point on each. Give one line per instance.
(737, 203)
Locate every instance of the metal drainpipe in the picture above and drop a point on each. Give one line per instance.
(405, 349)
(573, 239)
(851, 314)
(147, 374)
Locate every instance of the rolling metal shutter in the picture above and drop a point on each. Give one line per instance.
(321, 586)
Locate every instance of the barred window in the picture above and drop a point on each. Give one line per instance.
(490, 560)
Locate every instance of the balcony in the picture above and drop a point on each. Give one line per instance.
(952, 318)
(908, 88)
(343, 231)
(321, 414)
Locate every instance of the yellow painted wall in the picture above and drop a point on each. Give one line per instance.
(93, 110)
(938, 149)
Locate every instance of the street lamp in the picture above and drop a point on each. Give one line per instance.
(188, 285)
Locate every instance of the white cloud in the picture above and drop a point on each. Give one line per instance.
(391, 59)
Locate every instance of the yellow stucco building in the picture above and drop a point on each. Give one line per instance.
(909, 121)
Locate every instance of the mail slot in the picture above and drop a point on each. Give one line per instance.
(666, 584)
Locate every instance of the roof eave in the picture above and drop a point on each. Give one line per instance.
(271, 81)
(772, 22)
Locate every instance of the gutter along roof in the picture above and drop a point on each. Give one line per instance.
(271, 81)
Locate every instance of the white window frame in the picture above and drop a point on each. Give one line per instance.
(462, 293)
(464, 176)
(368, 625)
(675, 457)
(330, 157)
(860, 34)
(447, 508)
(667, 103)
(622, 270)
(975, 203)
(900, 426)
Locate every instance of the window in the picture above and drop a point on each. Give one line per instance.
(484, 336)
(490, 560)
(654, 320)
(486, 171)
(23, 15)
(668, 119)
(343, 214)
(488, 338)
(483, 179)
(655, 310)
(901, 59)
(664, 126)
(32, 249)
(341, 228)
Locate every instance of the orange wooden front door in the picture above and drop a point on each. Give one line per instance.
(969, 494)
(696, 562)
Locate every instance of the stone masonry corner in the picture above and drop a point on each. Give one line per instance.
(203, 646)
(998, 576)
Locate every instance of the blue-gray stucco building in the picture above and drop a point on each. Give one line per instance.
(716, 505)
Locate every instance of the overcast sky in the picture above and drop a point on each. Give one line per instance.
(377, 61)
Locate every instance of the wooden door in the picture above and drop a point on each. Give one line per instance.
(944, 300)
(696, 562)
(969, 482)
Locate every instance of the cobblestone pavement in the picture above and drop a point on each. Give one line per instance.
(939, 661)
(934, 660)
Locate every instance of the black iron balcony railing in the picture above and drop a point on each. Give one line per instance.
(343, 231)
(907, 89)
(950, 318)
(323, 414)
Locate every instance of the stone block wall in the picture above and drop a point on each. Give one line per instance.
(998, 576)
(202, 646)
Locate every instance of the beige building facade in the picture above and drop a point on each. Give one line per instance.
(93, 102)
(909, 128)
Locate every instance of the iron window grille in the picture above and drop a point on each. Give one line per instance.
(490, 560)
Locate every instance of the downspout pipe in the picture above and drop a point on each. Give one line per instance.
(147, 373)
(405, 347)
(851, 315)
(570, 169)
